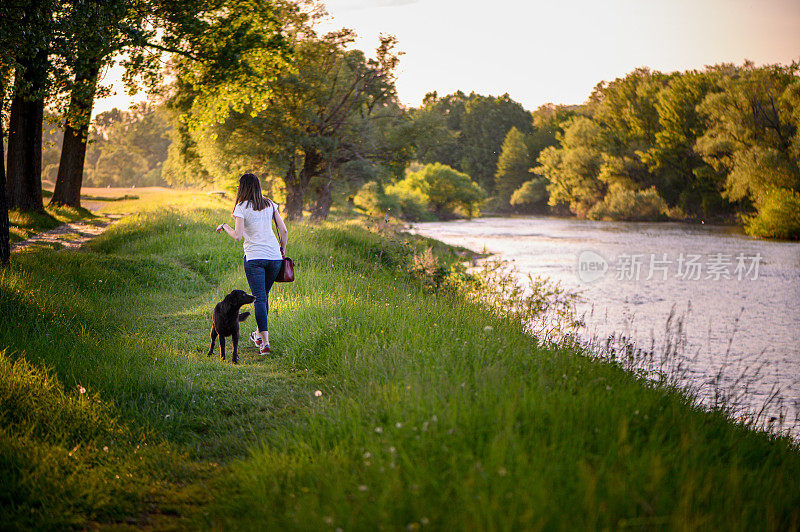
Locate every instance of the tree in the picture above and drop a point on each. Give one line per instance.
(532, 195)
(477, 127)
(96, 30)
(5, 245)
(327, 110)
(686, 179)
(30, 43)
(752, 132)
(513, 166)
(486, 124)
(128, 147)
(222, 40)
(437, 128)
(445, 189)
(573, 168)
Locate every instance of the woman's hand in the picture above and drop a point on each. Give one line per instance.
(220, 227)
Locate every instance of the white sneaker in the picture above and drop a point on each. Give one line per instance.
(256, 338)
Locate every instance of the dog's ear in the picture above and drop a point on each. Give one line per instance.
(227, 302)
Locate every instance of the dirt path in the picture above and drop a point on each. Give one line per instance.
(71, 235)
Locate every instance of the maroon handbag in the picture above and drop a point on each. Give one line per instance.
(286, 273)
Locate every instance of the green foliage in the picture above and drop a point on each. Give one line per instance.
(371, 199)
(128, 148)
(467, 132)
(531, 195)
(487, 121)
(513, 166)
(630, 205)
(446, 190)
(708, 142)
(687, 181)
(573, 168)
(752, 130)
(331, 106)
(778, 215)
(412, 203)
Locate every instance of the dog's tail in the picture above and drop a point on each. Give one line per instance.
(243, 316)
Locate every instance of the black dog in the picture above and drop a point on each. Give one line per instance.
(225, 321)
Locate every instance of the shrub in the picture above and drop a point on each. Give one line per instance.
(412, 204)
(531, 194)
(778, 215)
(402, 202)
(630, 205)
(446, 190)
(368, 198)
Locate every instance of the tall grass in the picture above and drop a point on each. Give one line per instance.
(433, 411)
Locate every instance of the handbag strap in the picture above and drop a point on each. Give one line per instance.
(275, 209)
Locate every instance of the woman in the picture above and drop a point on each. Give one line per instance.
(263, 254)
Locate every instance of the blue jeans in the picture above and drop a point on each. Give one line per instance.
(261, 273)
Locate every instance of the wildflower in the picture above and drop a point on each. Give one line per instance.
(367, 454)
(363, 487)
(318, 393)
(105, 448)
(434, 418)
(502, 471)
(392, 449)
(379, 429)
(329, 520)
(424, 521)
(398, 425)
(81, 389)
(488, 329)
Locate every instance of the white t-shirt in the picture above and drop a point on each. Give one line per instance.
(259, 240)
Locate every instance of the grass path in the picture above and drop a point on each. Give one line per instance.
(69, 235)
(433, 413)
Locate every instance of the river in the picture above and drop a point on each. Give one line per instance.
(738, 298)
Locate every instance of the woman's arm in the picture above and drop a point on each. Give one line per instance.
(283, 233)
(235, 233)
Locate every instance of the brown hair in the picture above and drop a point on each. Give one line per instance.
(250, 190)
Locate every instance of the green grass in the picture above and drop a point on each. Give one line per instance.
(426, 420)
(24, 224)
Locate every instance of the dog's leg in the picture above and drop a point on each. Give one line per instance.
(213, 337)
(222, 346)
(235, 340)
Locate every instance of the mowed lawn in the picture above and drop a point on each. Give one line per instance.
(383, 405)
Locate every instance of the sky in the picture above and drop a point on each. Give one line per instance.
(558, 50)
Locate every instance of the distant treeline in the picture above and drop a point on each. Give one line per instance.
(700, 145)
(125, 148)
(254, 87)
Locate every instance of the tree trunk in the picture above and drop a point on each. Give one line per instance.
(24, 168)
(5, 246)
(24, 179)
(297, 184)
(322, 207)
(294, 194)
(76, 132)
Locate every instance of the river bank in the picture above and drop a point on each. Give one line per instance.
(391, 400)
(670, 287)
